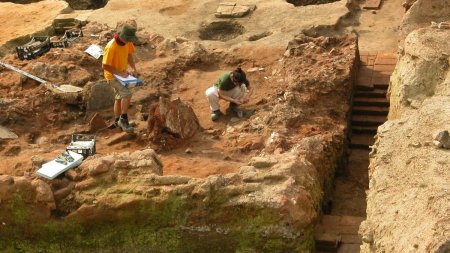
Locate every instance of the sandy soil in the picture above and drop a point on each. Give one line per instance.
(18, 20)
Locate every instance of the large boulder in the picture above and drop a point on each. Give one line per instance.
(175, 116)
(423, 12)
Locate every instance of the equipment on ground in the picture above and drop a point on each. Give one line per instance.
(36, 47)
(83, 144)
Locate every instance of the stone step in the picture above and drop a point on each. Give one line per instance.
(383, 86)
(367, 120)
(364, 130)
(357, 101)
(361, 141)
(370, 110)
(375, 93)
(326, 242)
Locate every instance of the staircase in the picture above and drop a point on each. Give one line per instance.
(370, 104)
(338, 231)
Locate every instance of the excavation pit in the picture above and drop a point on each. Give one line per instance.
(221, 30)
(310, 2)
(262, 175)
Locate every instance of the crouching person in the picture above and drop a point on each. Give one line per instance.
(232, 87)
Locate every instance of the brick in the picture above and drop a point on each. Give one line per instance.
(363, 59)
(372, 5)
(383, 68)
(364, 77)
(386, 58)
(349, 248)
(353, 238)
(351, 220)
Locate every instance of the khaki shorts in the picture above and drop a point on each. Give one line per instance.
(119, 90)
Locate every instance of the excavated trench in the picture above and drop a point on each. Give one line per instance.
(221, 30)
(309, 2)
(74, 4)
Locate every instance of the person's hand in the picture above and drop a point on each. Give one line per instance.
(123, 74)
(237, 101)
(244, 100)
(134, 72)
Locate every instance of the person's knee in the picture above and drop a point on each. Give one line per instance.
(211, 92)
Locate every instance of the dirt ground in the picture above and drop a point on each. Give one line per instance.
(43, 132)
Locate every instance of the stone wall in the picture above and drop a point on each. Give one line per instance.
(409, 194)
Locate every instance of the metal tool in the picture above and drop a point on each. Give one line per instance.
(22, 72)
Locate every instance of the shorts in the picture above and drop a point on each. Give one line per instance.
(120, 91)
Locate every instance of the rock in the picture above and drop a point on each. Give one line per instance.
(442, 139)
(188, 151)
(233, 10)
(98, 169)
(64, 192)
(174, 116)
(262, 162)
(121, 164)
(97, 123)
(6, 183)
(169, 180)
(43, 191)
(181, 39)
(73, 175)
(100, 95)
(37, 161)
(7, 134)
(85, 184)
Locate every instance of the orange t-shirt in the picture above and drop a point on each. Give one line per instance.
(116, 56)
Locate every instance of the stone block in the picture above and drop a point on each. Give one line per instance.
(101, 95)
(7, 134)
(383, 68)
(97, 123)
(372, 5)
(98, 169)
(262, 162)
(233, 10)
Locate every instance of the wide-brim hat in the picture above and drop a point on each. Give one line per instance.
(128, 34)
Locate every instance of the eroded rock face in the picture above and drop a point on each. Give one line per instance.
(273, 198)
(175, 116)
(423, 12)
(408, 174)
(423, 70)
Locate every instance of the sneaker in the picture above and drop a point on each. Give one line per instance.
(215, 115)
(123, 123)
(236, 109)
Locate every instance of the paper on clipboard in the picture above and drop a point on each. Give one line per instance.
(95, 51)
(129, 81)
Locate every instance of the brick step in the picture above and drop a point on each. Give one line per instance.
(338, 234)
(363, 87)
(364, 130)
(367, 120)
(361, 141)
(383, 86)
(370, 102)
(337, 224)
(376, 93)
(370, 110)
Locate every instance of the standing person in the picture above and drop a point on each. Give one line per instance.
(231, 86)
(116, 57)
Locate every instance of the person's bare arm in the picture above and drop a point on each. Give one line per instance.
(113, 70)
(132, 65)
(229, 99)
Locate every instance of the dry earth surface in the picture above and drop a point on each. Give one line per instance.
(302, 101)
